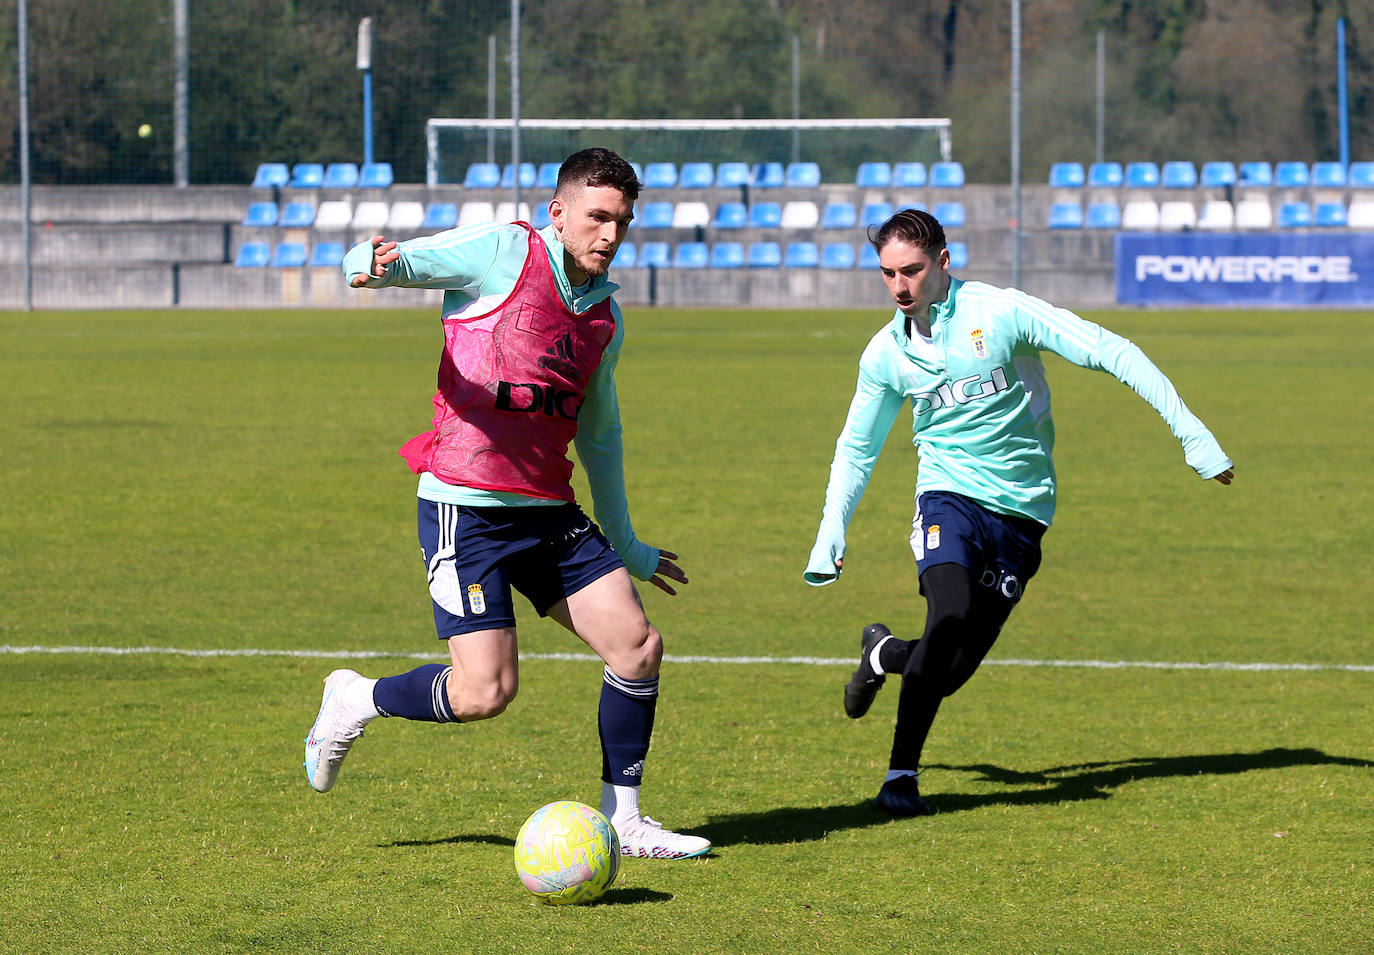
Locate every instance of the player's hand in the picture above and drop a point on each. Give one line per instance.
(668, 569)
(1225, 477)
(383, 254)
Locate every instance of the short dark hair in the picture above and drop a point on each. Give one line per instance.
(915, 226)
(597, 167)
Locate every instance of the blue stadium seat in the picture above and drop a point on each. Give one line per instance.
(764, 255)
(1066, 215)
(958, 255)
(1328, 175)
(271, 175)
(1106, 175)
(539, 216)
(1330, 215)
(306, 175)
(730, 215)
(1257, 174)
(875, 213)
(873, 175)
(340, 175)
(1294, 215)
(655, 215)
(289, 255)
(1142, 175)
(801, 255)
(327, 255)
(950, 214)
(1361, 175)
(625, 257)
(376, 175)
(1291, 175)
(839, 215)
(297, 215)
(548, 176)
(947, 175)
(696, 175)
(1178, 174)
(660, 175)
(655, 255)
(482, 175)
(802, 175)
(837, 255)
(765, 215)
(529, 175)
(1103, 215)
(1067, 175)
(732, 175)
(691, 255)
(909, 175)
(253, 255)
(868, 256)
(440, 216)
(260, 215)
(1218, 174)
(727, 255)
(768, 175)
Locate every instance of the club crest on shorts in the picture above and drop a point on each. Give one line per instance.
(933, 537)
(980, 345)
(476, 599)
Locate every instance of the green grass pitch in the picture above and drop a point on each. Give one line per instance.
(227, 481)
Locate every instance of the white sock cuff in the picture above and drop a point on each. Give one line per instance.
(873, 654)
(357, 696)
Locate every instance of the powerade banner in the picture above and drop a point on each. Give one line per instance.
(1155, 268)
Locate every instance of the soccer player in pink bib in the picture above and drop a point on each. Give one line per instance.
(531, 339)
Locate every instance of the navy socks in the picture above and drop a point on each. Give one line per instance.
(421, 694)
(626, 721)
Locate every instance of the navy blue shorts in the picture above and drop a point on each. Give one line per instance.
(1001, 552)
(475, 556)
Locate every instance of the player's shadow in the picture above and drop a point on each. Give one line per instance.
(1057, 784)
(486, 837)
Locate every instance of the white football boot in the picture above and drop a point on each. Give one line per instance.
(333, 734)
(647, 839)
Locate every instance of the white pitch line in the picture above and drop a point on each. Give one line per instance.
(672, 658)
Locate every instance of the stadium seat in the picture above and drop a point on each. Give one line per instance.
(802, 175)
(868, 256)
(768, 175)
(375, 175)
(482, 175)
(625, 257)
(405, 217)
(260, 215)
(655, 215)
(253, 255)
(801, 255)
(306, 175)
(1067, 175)
(946, 175)
(696, 175)
(1294, 215)
(654, 255)
(297, 215)
(1103, 215)
(1177, 215)
(958, 255)
(691, 215)
(765, 215)
(727, 255)
(340, 175)
(1142, 175)
(1217, 215)
(476, 213)
(506, 212)
(691, 255)
(874, 213)
(1178, 174)
(1328, 175)
(950, 214)
(529, 175)
(539, 215)
(732, 175)
(1361, 214)
(764, 255)
(271, 175)
(1259, 175)
(730, 215)
(660, 175)
(837, 255)
(1254, 213)
(1140, 214)
(370, 217)
(1291, 175)
(1330, 215)
(1105, 175)
(873, 175)
(909, 175)
(839, 215)
(289, 255)
(1065, 215)
(800, 214)
(547, 178)
(1361, 175)
(333, 214)
(327, 255)
(1218, 174)
(440, 216)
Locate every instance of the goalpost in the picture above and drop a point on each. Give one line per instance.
(837, 145)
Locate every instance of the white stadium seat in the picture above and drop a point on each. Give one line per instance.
(1361, 214)
(473, 213)
(800, 214)
(333, 215)
(690, 215)
(1177, 215)
(505, 212)
(1217, 214)
(1254, 213)
(371, 216)
(405, 217)
(1140, 214)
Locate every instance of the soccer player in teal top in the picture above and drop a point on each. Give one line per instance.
(965, 355)
(531, 338)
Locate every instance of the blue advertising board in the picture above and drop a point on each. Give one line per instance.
(1190, 268)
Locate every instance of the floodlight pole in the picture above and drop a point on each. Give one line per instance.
(515, 103)
(491, 96)
(25, 180)
(1016, 143)
(365, 65)
(181, 110)
(796, 96)
(1101, 95)
(1341, 94)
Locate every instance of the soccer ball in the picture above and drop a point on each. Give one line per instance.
(567, 853)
